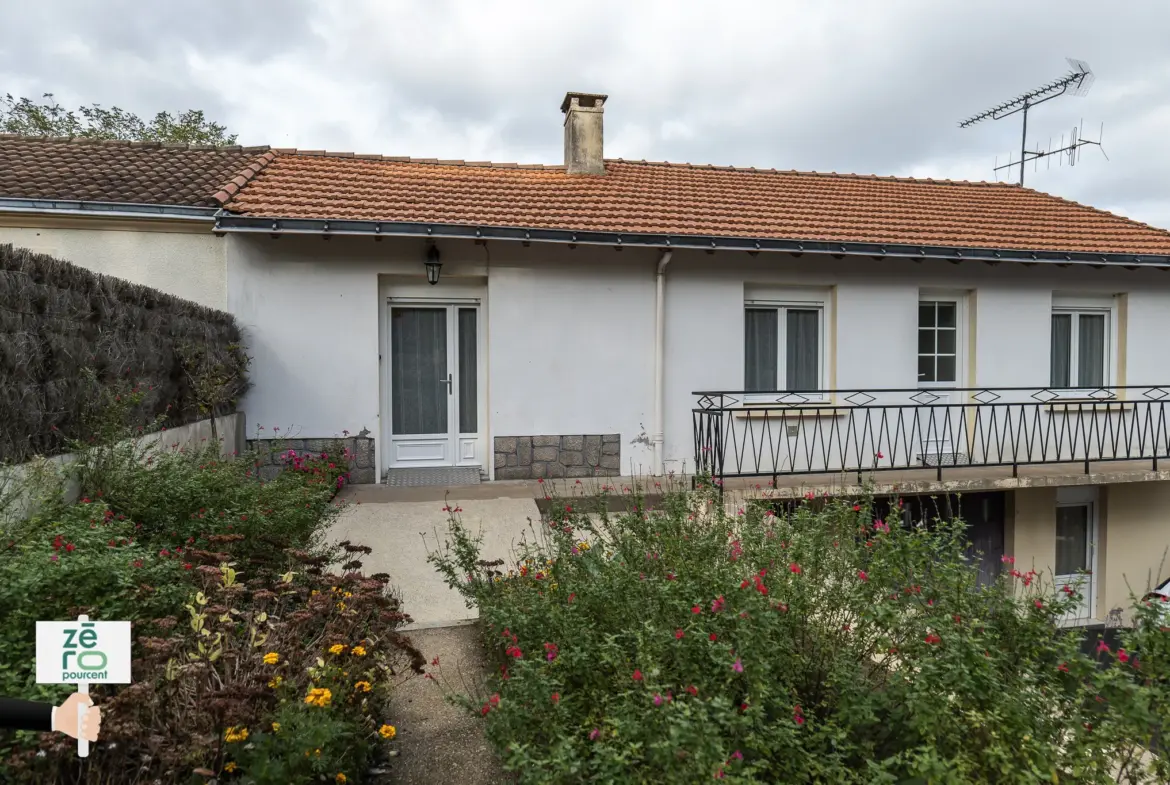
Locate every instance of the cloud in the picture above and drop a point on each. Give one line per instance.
(844, 86)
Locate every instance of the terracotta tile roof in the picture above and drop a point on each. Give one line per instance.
(128, 172)
(637, 196)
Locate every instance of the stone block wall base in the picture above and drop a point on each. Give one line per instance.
(535, 457)
(361, 468)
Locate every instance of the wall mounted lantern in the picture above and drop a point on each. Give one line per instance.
(433, 264)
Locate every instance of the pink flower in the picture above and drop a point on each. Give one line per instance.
(637, 674)
(657, 699)
(862, 576)
(1103, 646)
(797, 715)
(1008, 559)
(1122, 655)
(593, 734)
(718, 604)
(737, 755)
(678, 634)
(696, 610)
(879, 455)
(737, 666)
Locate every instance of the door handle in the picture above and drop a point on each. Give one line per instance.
(447, 382)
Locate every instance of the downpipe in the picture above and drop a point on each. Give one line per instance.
(659, 351)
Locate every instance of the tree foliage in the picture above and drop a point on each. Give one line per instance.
(48, 118)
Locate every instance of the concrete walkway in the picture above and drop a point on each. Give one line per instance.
(403, 524)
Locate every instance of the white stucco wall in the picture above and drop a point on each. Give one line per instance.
(570, 334)
(186, 261)
(875, 322)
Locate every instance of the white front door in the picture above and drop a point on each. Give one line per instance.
(434, 385)
(940, 422)
(1076, 544)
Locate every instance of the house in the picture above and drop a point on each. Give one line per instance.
(980, 346)
(140, 211)
(796, 329)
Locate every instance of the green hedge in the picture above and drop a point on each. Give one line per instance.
(66, 334)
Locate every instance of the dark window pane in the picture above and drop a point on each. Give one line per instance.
(418, 370)
(926, 314)
(1091, 350)
(1061, 346)
(468, 370)
(1072, 539)
(926, 341)
(946, 341)
(946, 368)
(946, 314)
(802, 350)
(926, 368)
(761, 349)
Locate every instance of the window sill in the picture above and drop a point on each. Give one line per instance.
(1087, 406)
(773, 411)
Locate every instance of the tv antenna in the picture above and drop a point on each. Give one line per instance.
(1076, 82)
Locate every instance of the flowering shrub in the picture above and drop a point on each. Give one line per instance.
(683, 644)
(260, 655)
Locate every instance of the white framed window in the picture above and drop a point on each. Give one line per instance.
(1077, 528)
(940, 339)
(784, 342)
(1082, 335)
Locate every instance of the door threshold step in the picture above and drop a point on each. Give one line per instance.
(450, 476)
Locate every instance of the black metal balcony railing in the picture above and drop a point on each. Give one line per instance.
(745, 434)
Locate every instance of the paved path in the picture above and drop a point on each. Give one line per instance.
(403, 524)
(440, 743)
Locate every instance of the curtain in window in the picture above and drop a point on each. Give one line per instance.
(802, 350)
(468, 368)
(1061, 349)
(1091, 350)
(761, 349)
(418, 366)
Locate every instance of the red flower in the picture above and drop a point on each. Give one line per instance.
(794, 568)
(862, 576)
(1037, 603)
(712, 637)
(743, 585)
(857, 508)
(1103, 646)
(186, 565)
(486, 708)
(556, 698)
(572, 596)
(932, 639)
(696, 610)
(797, 715)
(164, 552)
(71, 547)
(637, 675)
(1122, 655)
(678, 634)
(693, 690)
(494, 700)
(879, 454)
(1008, 559)
(1063, 667)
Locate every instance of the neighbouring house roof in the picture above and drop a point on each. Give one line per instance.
(141, 173)
(638, 197)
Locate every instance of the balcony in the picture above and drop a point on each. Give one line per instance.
(790, 437)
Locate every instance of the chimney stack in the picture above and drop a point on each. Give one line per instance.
(583, 134)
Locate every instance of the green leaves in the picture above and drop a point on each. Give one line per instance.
(49, 118)
(912, 673)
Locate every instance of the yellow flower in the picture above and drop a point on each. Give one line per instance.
(234, 734)
(348, 594)
(340, 777)
(359, 651)
(276, 727)
(275, 682)
(362, 686)
(387, 732)
(583, 546)
(341, 606)
(319, 696)
(271, 658)
(230, 766)
(314, 593)
(337, 648)
(317, 752)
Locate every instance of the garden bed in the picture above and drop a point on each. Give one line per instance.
(680, 642)
(260, 654)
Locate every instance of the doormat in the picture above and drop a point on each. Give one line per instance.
(451, 476)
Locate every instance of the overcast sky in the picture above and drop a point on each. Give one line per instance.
(873, 87)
